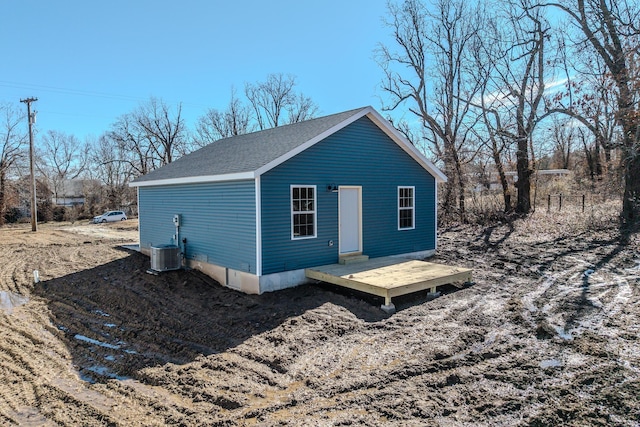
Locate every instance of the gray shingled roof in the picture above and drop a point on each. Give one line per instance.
(246, 153)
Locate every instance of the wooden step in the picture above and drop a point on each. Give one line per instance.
(353, 258)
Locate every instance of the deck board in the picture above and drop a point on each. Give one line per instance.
(389, 277)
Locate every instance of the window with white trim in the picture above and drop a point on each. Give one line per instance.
(303, 212)
(406, 208)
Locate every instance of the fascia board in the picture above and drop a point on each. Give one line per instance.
(195, 179)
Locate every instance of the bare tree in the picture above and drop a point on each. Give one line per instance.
(61, 157)
(432, 49)
(164, 130)
(301, 108)
(563, 135)
(150, 136)
(136, 150)
(215, 124)
(112, 169)
(588, 97)
(523, 84)
(270, 98)
(591, 153)
(12, 143)
(488, 52)
(275, 102)
(611, 30)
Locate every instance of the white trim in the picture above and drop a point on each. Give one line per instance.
(195, 179)
(435, 218)
(258, 227)
(413, 207)
(359, 188)
(314, 212)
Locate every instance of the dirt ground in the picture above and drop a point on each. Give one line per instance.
(548, 335)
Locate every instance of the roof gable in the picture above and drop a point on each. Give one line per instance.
(251, 155)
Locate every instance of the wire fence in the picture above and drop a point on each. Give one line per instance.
(555, 201)
(492, 203)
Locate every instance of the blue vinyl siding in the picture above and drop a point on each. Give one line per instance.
(360, 155)
(218, 220)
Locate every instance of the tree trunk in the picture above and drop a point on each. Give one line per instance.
(461, 185)
(631, 199)
(3, 183)
(506, 194)
(631, 159)
(449, 196)
(523, 185)
(597, 160)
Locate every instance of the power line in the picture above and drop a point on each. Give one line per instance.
(67, 91)
(86, 93)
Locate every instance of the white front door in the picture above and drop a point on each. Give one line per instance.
(350, 219)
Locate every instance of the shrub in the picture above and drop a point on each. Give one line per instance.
(12, 215)
(45, 211)
(58, 213)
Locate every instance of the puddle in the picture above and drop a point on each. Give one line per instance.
(550, 363)
(96, 342)
(100, 371)
(565, 335)
(116, 346)
(11, 300)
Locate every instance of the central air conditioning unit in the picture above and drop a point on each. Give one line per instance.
(165, 258)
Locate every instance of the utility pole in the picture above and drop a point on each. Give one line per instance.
(34, 205)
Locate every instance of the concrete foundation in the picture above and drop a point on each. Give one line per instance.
(388, 308)
(433, 295)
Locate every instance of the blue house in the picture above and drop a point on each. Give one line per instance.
(257, 209)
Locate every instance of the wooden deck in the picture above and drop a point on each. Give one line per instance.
(389, 277)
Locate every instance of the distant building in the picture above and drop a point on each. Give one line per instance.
(72, 192)
(512, 178)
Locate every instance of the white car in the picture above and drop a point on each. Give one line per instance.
(110, 216)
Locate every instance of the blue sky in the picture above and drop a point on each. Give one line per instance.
(89, 62)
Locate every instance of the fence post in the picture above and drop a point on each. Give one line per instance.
(548, 203)
(559, 202)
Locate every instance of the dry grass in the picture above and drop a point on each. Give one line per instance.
(487, 208)
(571, 221)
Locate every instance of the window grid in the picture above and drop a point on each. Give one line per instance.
(303, 212)
(406, 210)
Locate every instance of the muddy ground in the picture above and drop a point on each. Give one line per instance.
(548, 335)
